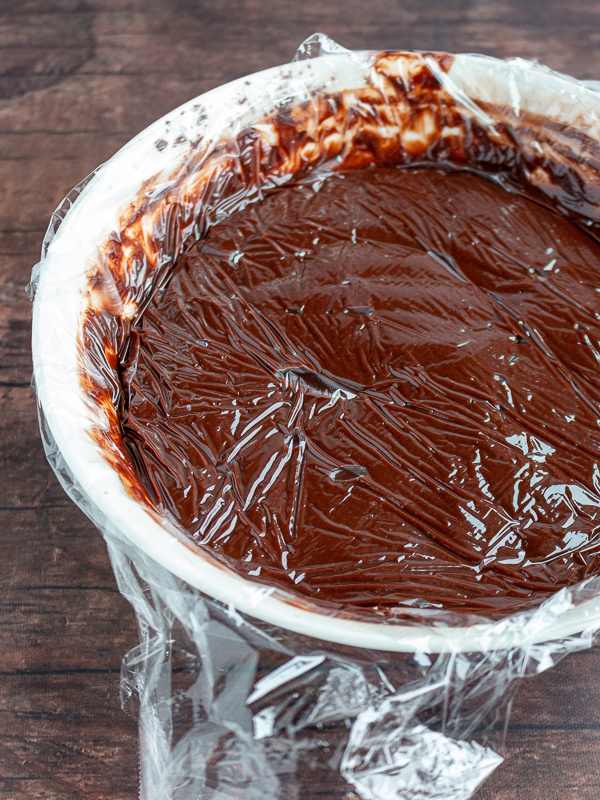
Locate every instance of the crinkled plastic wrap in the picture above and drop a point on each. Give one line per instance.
(231, 704)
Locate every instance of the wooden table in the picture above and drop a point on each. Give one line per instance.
(77, 80)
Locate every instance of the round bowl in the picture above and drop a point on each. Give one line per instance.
(62, 298)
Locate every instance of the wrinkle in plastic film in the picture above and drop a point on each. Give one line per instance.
(230, 707)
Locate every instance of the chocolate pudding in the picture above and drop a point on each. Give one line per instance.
(379, 390)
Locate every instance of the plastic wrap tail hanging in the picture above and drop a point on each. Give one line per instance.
(231, 707)
(227, 708)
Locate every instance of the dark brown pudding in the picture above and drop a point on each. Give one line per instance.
(380, 390)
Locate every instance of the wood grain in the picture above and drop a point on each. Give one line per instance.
(77, 80)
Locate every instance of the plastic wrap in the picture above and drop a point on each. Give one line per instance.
(243, 691)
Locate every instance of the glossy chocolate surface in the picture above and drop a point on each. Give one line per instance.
(380, 390)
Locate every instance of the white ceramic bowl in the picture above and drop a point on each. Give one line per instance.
(60, 304)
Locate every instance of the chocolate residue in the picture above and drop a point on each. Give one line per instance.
(371, 387)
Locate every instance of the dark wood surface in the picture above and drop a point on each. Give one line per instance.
(77, 80)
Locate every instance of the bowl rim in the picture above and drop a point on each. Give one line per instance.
(59, 305)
